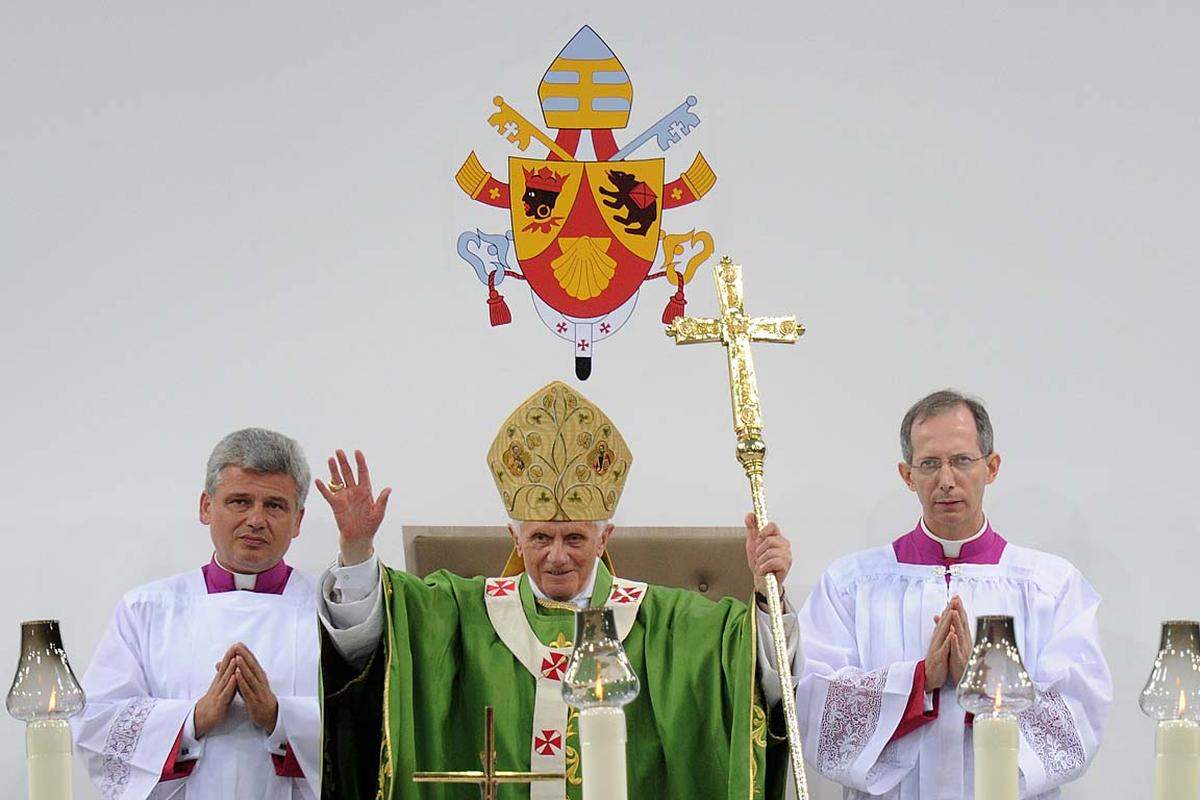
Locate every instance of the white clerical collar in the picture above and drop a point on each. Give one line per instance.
(952, 547)
(580, 600)
(241, 581)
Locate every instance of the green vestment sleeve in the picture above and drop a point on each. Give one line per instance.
(697, 730)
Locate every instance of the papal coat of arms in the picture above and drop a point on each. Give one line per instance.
(586, 234)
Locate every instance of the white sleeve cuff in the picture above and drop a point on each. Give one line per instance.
(351, 609)
(353, 583)
(277, 739)
(350, 594)
(190, 747)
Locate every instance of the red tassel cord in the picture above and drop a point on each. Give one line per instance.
(498, 312)
(675, 305)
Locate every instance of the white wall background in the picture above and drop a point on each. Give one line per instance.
(223, 215)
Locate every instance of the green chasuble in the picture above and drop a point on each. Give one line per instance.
(697, 730)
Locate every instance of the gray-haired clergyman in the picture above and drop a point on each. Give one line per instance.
(205, 683)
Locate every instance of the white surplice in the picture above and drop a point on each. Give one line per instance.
(869, 622)
(157, 659)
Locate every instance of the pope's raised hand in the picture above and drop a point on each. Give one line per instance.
(356, 510)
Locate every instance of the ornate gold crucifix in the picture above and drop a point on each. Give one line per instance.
(736, 331)
(490, 778)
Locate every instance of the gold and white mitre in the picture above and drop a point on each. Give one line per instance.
(558, 457)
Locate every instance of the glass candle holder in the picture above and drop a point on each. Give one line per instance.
(44, 694)
(44, 686)
(1172, 697)
(995, 680)
(599, 673)
(1173, 690)
(599, 680)
(995, 687)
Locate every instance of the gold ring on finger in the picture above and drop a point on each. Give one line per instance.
(334, 488)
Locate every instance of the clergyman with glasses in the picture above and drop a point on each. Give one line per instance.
(887, 633)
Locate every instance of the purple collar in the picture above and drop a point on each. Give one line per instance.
(915, 547)
(218, 579)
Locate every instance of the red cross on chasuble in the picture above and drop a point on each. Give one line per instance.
(548, 743)
(554, 665)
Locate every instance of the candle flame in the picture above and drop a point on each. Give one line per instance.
(999, 697)
(599, 690)
(53, 707)
(1183, 704)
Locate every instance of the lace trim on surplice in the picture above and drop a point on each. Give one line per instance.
(852, 707)
(1050, 730)
(122, 742)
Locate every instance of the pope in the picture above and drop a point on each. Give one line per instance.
(408, 664)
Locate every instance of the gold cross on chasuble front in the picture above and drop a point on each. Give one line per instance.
(736, 331)
(490, 778)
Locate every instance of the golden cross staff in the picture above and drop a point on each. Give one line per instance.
(736, 331)
(490, 778)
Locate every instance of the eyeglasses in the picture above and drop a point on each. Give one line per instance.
(960, 463)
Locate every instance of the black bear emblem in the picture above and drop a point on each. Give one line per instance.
(637, 199)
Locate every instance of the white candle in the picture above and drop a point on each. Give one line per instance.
(602, 753)
(1177, 767)
(995, 738)
(48, 745)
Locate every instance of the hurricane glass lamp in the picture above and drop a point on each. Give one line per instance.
(44, 694)
(1172, 698)
(995, 687)
(598, 682)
